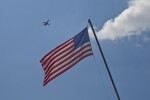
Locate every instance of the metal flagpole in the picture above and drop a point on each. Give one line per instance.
(104, 60)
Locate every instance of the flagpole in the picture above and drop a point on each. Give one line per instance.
(104, 60)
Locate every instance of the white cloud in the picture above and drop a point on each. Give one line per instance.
(91, 32)
(138, 45)
(132, 21)
(146, 39)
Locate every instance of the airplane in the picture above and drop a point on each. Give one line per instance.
(46, 23)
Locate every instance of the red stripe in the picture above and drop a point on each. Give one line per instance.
(66, 59)
(44, 83)
(56, 52)
(49, 71)
(53, 50)
(64, 65)
(51, 59)
(51, 66)
(49, 74)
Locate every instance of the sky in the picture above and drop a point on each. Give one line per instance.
(122, 27)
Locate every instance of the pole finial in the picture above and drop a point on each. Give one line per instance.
(89, 20)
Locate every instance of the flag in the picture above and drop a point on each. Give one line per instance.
(66, 55)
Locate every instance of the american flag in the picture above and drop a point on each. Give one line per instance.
(66, 55)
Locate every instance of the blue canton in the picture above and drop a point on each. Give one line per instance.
(81, 38)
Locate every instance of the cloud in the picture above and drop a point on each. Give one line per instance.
(91, 32)
(146, 39)
(132, 21)
(138, 45)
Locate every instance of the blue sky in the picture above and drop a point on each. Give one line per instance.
(123, 30)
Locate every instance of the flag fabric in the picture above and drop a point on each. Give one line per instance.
(66, 55)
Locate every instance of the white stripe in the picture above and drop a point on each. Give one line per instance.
(67, 60)
(68, 57)
(64, 57)
(68, 65)
(76, 50)
(55, 50)
(58, 58)
(57, 53)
